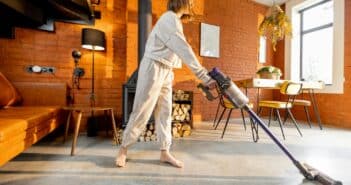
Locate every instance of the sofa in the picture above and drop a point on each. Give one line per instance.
(38, 114)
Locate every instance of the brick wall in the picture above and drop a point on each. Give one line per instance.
(238, 21)
(335, 109)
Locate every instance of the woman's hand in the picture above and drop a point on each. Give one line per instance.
(211, 84)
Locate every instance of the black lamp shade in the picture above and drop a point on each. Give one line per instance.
(93, 39)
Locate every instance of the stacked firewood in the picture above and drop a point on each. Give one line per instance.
(148, 134)
(181, 112)
(118, 137)
(181, 130)
(181, 95)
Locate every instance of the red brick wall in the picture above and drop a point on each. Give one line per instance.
(238, 21)
(335, 109)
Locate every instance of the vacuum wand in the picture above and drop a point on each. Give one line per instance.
(238, 99)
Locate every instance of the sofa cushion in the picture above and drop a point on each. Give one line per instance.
(42, 93)
(29, 136)
(11, 127)
(14, 120)
(8, 94)
(16, 144)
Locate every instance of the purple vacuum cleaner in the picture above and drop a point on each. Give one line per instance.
(235, 96)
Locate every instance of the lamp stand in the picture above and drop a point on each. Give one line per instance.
(92, 122)
(92, 94)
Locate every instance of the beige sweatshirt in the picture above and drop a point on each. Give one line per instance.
(167, 44)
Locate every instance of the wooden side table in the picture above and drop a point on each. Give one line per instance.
(80, 111)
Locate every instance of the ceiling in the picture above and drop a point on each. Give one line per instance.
(41, 14)
(270, 2)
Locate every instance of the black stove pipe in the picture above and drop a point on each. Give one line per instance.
(144, 25)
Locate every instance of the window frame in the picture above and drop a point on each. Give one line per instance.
(292, 46)
(310, 30)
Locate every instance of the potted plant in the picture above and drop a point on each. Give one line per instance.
(275, 26)
(269, 72)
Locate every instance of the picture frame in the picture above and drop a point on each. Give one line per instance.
(210, 40)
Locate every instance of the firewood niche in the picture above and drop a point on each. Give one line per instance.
(181, 117)
(182, 113)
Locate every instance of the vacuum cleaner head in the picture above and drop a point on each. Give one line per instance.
(313, 174)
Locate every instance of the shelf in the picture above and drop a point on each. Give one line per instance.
(182, 101)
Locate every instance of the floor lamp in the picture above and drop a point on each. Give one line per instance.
(93, 40)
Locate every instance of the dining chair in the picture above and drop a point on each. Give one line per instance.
(227, 105)
(291, 90)
(306, 104)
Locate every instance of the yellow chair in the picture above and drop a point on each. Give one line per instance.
(291, 90)
(305, 104)
(226, 104)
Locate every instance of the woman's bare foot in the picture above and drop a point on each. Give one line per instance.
(121, 157)
(168, 158)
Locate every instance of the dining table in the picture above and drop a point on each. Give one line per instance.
(308, 87)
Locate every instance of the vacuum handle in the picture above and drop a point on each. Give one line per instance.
(206, 92)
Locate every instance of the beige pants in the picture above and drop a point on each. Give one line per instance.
(154, 91)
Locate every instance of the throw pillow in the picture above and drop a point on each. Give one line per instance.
(8, 93)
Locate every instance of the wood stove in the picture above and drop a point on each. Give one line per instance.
(144, 28)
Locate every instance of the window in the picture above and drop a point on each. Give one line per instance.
(316, 50)
(262, 50)
(316, 44)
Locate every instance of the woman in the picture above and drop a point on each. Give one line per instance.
(165, 48)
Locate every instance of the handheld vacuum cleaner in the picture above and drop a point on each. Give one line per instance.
(238, 99)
